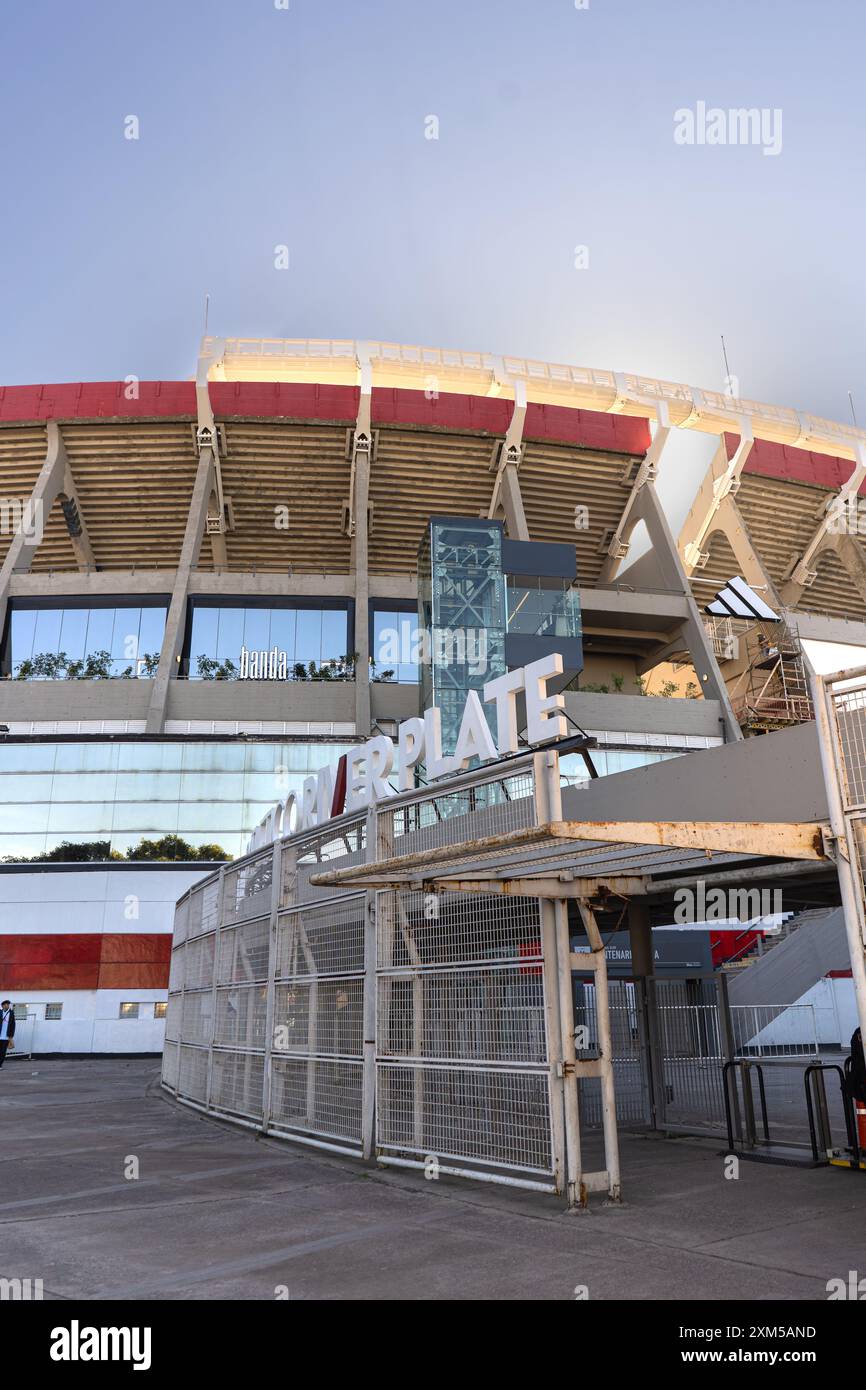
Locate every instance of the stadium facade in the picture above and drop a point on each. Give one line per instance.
(209, 589)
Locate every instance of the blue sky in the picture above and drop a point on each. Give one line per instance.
(306, 127)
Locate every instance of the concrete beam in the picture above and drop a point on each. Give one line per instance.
(621, 539)
(694, 634)
(175, 624)
(722, 481)
(95, 583)
(359, 505)
(28, 537)
(803, 573)
(506, 487)
(207, 436)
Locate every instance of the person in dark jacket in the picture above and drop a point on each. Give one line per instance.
(7, 1029)
(857, 1072)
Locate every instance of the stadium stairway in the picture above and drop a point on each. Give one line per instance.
(810, 946)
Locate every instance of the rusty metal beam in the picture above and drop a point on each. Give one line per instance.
(779, 839)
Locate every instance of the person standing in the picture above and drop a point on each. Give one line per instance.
(7, 1028)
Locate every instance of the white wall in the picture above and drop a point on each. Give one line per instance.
(55, 901)
(90, 1021)
(93, 900)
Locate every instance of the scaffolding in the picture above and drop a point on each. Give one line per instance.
(772, 692)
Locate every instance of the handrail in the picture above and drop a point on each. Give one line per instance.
(847, 1109)
(546, 383)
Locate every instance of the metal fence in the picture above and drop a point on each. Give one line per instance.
(390, 1022)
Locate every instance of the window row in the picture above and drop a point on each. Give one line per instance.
(54, 1012)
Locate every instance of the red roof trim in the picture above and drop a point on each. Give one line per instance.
(276, 400)
(793, 465)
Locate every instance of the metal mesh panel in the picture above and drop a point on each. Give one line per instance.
(322, 940)
(173, 1028)
(243, 952)
(496, 1117)
(181, 919)
(850, 708)
(461, 1069)
(451, 818)
(248, 889)
(241, 1012)
(198, 962)
(203, 908)
(236, 1083)
(449, 928)
(490, 1015)
(319, 1016)
(177, 969)
(196, 1015)
(170, 1064)
(319, 1095)
(192, 1073)
(630, 1084)
(338, 850)
(692, 1056)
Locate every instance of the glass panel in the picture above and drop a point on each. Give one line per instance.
(282, 632)
(47, 635)
(100, 629)
(149, 786)
(151, 631)
(23, 817)
(86, 757)
(89, 786)
(256, 629)
(124, 643)
(231, 634)
(203, 641)
(23, 628)
(309, 640)
(85, 820)
(335, 639)
(73, 631)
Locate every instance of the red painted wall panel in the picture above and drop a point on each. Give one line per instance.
(133, 976)
(55, 948)
(298, 400)
(310, 401)
(66, 960)
(92, 400)
(42, 975)
(152, 947)
(793, 465)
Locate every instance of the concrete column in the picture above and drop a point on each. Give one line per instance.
(362, 449)
(512, 504)
(172, 641)
(643, 970)
(47, 488)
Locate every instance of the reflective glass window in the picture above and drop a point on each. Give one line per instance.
(230, 637)
(308, 646)
(256, 629)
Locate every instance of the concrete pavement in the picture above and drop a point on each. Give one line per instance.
(217, 1213)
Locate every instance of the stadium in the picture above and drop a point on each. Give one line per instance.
(212, 590)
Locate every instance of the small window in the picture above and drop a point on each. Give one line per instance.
(53, 1011)
(128, 1011)
(20, 1011)
(159, 1010)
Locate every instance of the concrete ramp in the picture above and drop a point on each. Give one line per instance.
(817, 945)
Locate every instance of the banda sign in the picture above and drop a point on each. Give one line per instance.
(360, 778)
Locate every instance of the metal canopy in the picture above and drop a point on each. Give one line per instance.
(623, 857)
